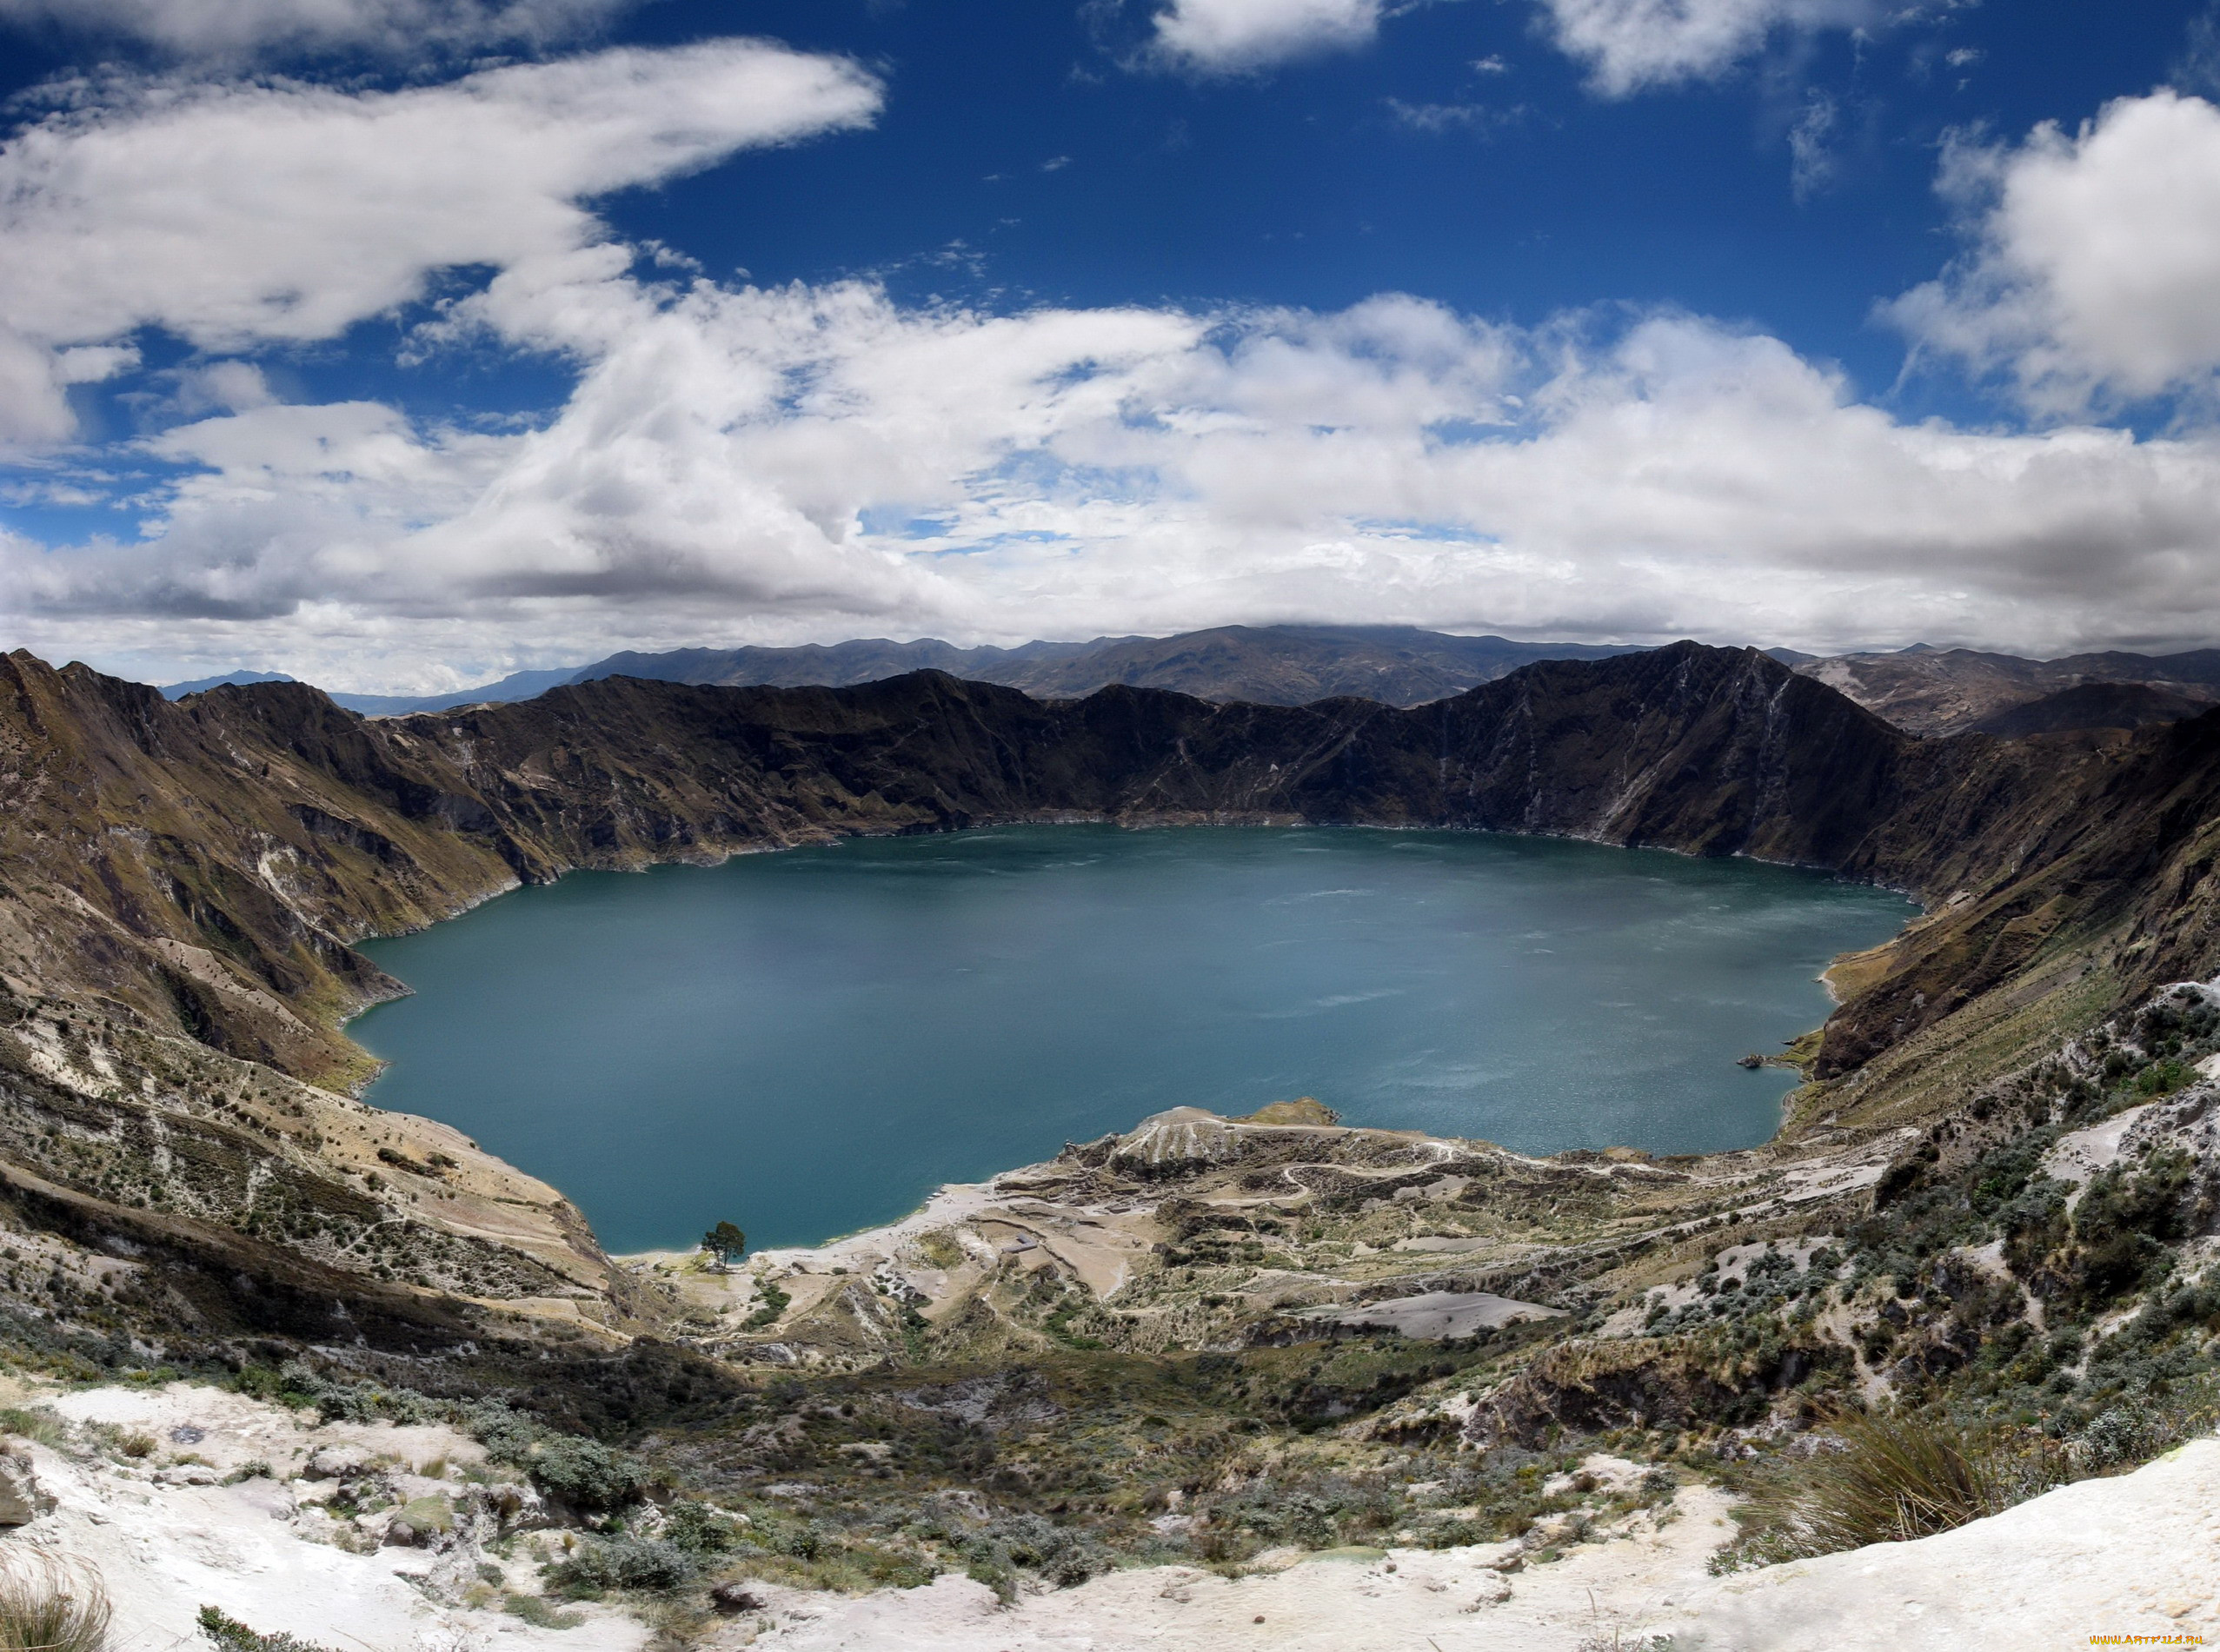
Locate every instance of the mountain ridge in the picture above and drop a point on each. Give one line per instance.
(1949, 691)
(1923, 689)
(1275, 665)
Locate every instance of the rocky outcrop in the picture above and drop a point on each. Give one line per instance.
(22, 1498)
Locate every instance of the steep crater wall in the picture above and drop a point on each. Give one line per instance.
(198, 871)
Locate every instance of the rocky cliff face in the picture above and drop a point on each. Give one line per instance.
(180, 883)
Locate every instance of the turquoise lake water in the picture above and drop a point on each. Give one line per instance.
(806, 1043)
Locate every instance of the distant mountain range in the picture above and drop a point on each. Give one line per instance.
(1922, 690)
(522, 685)
(1260, 665)
(240, 679)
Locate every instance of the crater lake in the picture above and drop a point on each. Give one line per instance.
(808, 1042)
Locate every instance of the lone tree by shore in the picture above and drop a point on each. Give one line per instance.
(725, 1244)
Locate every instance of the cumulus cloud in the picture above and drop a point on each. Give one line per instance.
(740, 464)
(1223, 37)
(236, 29)
(238, 214)
(2094, 271)
(743, 464)
(1628, 45)
(1631, 45)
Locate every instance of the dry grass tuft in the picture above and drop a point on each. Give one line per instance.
(1888, 1479)
(47, 1605)
(39, 1423)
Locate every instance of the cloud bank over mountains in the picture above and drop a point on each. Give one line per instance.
(741, 464)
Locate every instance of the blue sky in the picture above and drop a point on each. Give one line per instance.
(397, 343)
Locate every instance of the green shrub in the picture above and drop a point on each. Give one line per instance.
(39, 1423)
(2131, 1430)
(588, 1475)
(2163, 1078)
(700, 1530)
(260, 1383)
(230, 1634)
(1062, 1556)
(774, 1303)
(539, 1614)
(584, 1474)
(625, 1563)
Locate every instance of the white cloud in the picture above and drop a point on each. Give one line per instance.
(1627, 45)
(2095, 271)
(814, 462)
(739, 464)
(1812, 162)
(1434, 119)
(230, 386)
(238, 214)
(234, 29)
(1228, 37)
(1630, 45)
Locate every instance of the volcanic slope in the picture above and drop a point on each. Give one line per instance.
(181, 883)
(208, 862)
(1949, 691)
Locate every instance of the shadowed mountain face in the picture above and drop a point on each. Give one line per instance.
(2092, 704)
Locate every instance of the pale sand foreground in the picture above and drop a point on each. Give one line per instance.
(2135, 1556)
(163, 1550)
(2138, 1554)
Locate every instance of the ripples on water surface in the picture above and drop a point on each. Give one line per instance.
(808, 1042)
